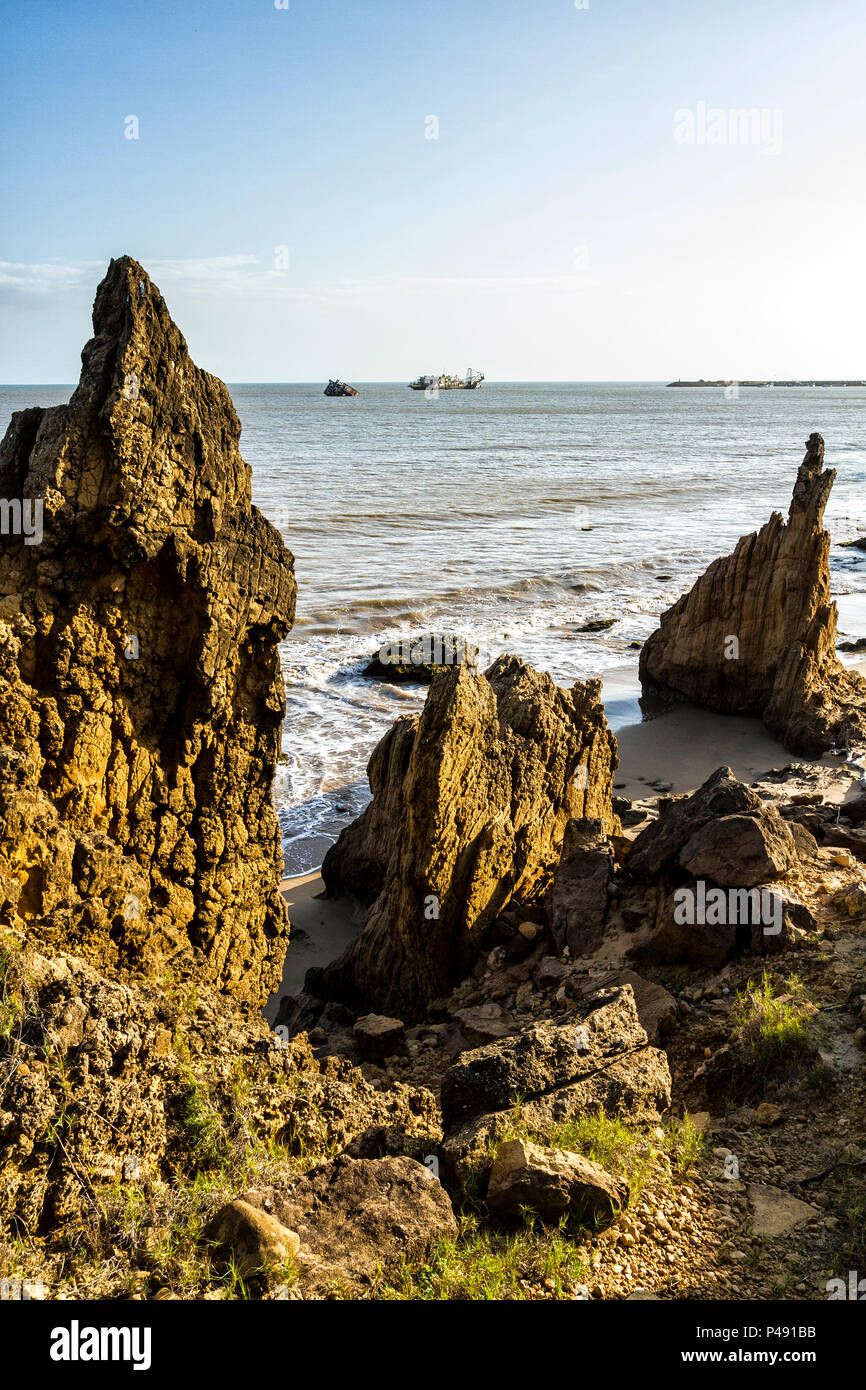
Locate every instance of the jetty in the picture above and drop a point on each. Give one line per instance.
(805, 382)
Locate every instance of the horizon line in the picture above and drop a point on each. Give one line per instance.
(497, 381)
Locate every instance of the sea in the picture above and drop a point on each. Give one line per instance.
(512, 515)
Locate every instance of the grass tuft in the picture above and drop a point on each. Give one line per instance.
(771, 1027)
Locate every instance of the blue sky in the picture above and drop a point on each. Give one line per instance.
(557, 228)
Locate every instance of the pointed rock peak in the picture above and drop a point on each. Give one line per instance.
(139, 662)
(812, 487)
(125, 294)
(471, 800)
(756, 633)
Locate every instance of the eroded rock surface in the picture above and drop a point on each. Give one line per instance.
(577, 905)
(111, 1068)
(599, 1059)
(756, 634)
(357, 1215)
(140, 685)
(471, 800)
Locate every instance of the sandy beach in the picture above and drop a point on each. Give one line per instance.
(321, 928)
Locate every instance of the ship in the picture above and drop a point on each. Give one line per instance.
(339, 388)
(470, 382)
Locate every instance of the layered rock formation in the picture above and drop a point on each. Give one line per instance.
(471, 800)
(596, 1060)
(756, 634)
(140, 689)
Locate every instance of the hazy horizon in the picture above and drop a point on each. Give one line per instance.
(497, 381)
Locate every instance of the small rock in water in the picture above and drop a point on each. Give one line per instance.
(421, 657)
(598, 625)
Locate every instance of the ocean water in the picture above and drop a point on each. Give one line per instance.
(513, 515)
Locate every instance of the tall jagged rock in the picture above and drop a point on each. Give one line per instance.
(140, 687)
(756, 634)
(471, 800)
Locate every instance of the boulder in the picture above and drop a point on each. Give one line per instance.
(756, 635)
(544, 1057)
(680, 818)
(357, 1215)
(377, 1036)
(656, 1008)
(139, 662)
(854, 842)
(854, 810)
(852, 899)
(740, 851)
(553, 1183)
(471, 799)
(775, 1213)
(706, 925)
(805, 843)
(483, 1024)
(598, 1059)
(254, 1238)
(421, 657)
(676, 938)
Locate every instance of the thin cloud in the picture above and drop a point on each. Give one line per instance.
(244, 275)
(44, 277)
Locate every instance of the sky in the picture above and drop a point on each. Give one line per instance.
(380, 189)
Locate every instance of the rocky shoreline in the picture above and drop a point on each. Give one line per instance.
(581, 1046)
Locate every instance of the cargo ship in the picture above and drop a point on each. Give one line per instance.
(470, 382)
(339, 388)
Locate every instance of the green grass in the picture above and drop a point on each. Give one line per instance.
(203, 1126)
(11, 1007)
(849, 1187)
(773, 1033)
(485, 1265)
(158, 1225)
(625, 1151)
(685, 1145)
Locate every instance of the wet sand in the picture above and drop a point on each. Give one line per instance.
(321, 929)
